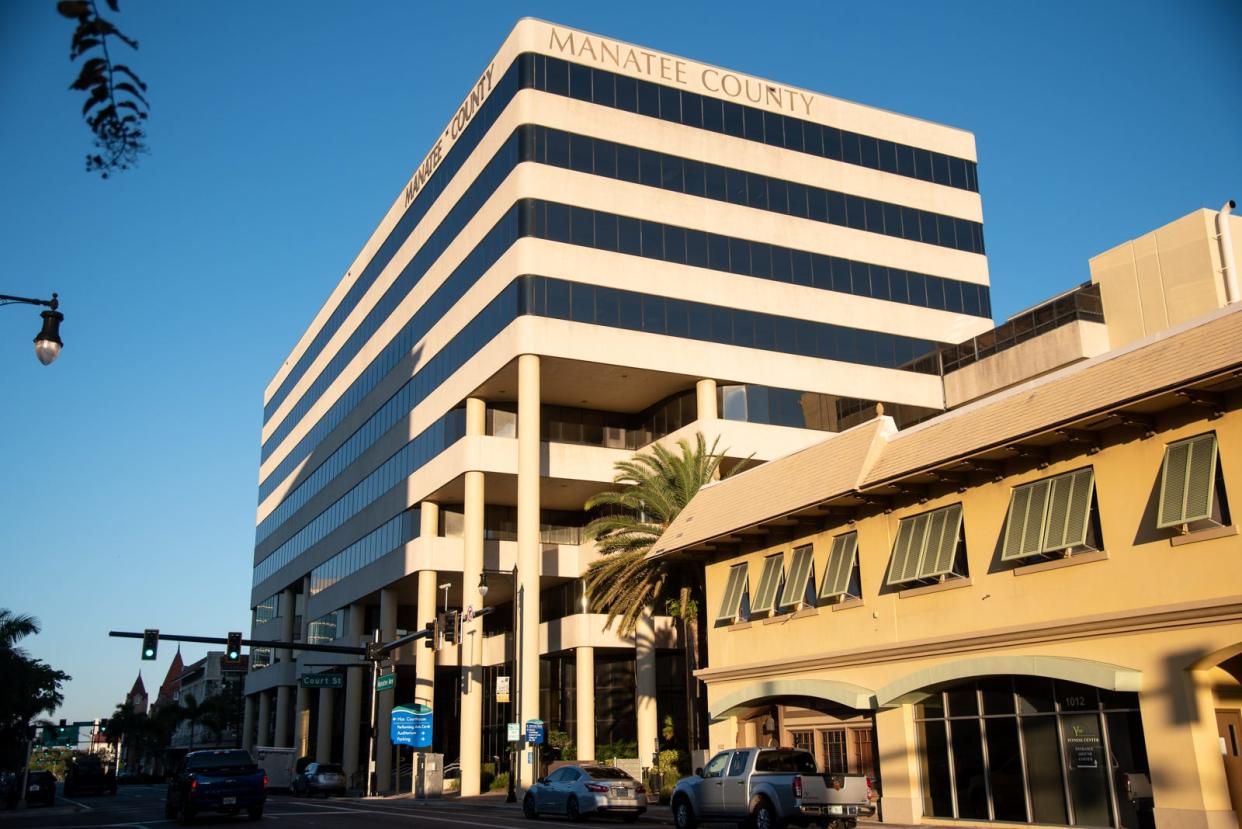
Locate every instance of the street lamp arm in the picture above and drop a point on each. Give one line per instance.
(52, 303)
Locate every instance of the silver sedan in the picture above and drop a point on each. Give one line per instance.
(579, 792)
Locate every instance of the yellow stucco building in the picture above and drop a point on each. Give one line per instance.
(1028, 608)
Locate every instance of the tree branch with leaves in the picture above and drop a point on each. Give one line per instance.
(116, 106)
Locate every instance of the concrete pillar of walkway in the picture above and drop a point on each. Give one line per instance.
(425, 658)
(896, 750)
(353, 721)
(472, 632)
(584, 675)
(301, 722)
(645, 687)
(352, 727)
(248, 723)
(1188, 778)
(705, 397)
(263, 736)
(383, 742)
(323, 728)
(528, 551)
(288, 608)
(281, 736)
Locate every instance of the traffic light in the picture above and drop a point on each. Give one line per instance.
(150, 643)
(103, 727)
(432, 639)
(449, 627)
(232, 651)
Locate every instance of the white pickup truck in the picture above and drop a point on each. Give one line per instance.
(768, 788)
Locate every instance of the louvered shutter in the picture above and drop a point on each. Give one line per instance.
(730, 606)
(942, 539)
(1069, 510)
(908, 549)
(799, 574)
(840, 565)
(1025, 524)
(769, 582)
(1187, 481)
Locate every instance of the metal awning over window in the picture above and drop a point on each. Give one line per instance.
(926, 545)
(769, 583)
(735, 589)
(1188, 481)
(801, 569)
(840, 567)
(1048, 515)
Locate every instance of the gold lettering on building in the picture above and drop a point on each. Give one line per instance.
(674, 70)
(465, 113)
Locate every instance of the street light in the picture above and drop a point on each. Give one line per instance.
(511, 797)
(47, 342)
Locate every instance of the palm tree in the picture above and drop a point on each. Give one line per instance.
(15, 627)
(623, 582)
(686, 609)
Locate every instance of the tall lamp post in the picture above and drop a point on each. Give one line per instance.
(513, 671)
(47, 342)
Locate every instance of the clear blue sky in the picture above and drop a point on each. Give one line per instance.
(281, 131)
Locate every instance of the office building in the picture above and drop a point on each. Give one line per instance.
(606, 246)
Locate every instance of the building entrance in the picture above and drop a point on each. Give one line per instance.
(1034, 750)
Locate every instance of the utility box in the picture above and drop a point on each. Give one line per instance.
(428, 774)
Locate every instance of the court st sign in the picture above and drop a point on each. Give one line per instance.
(321, 681)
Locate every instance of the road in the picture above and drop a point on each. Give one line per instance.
(139, 806)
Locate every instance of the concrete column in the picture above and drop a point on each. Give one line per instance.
(705, 397)
(897, 752)
(471, 722)
(425, 658)
(301, 722)
(1183, 750)
(248, 723)
(528, 550)
(584, 676)
(645, 687)
(383, 743)
(281, 738)
(263, 737)
(353, 719)
(323, 729)
(288, 607)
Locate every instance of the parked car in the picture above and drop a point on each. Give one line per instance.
(225, 780)
(85, 774)
(40, 788)
(768, 787)
(320, 778)
(579, 792)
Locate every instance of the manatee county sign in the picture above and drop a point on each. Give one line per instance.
(411, 726)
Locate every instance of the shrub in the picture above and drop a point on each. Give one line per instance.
(500, 783)
(625, 749)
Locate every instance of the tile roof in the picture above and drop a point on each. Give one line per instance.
(875, 453)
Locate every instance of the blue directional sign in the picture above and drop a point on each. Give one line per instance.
(411, 726)
(534, 732)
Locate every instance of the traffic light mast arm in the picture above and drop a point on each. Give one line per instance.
(352, 650)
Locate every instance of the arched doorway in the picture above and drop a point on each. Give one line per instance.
(834, 721)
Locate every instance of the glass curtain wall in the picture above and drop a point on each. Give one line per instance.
(1034, 750)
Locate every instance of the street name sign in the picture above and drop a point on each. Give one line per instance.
(321, 681)
(386, 682)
